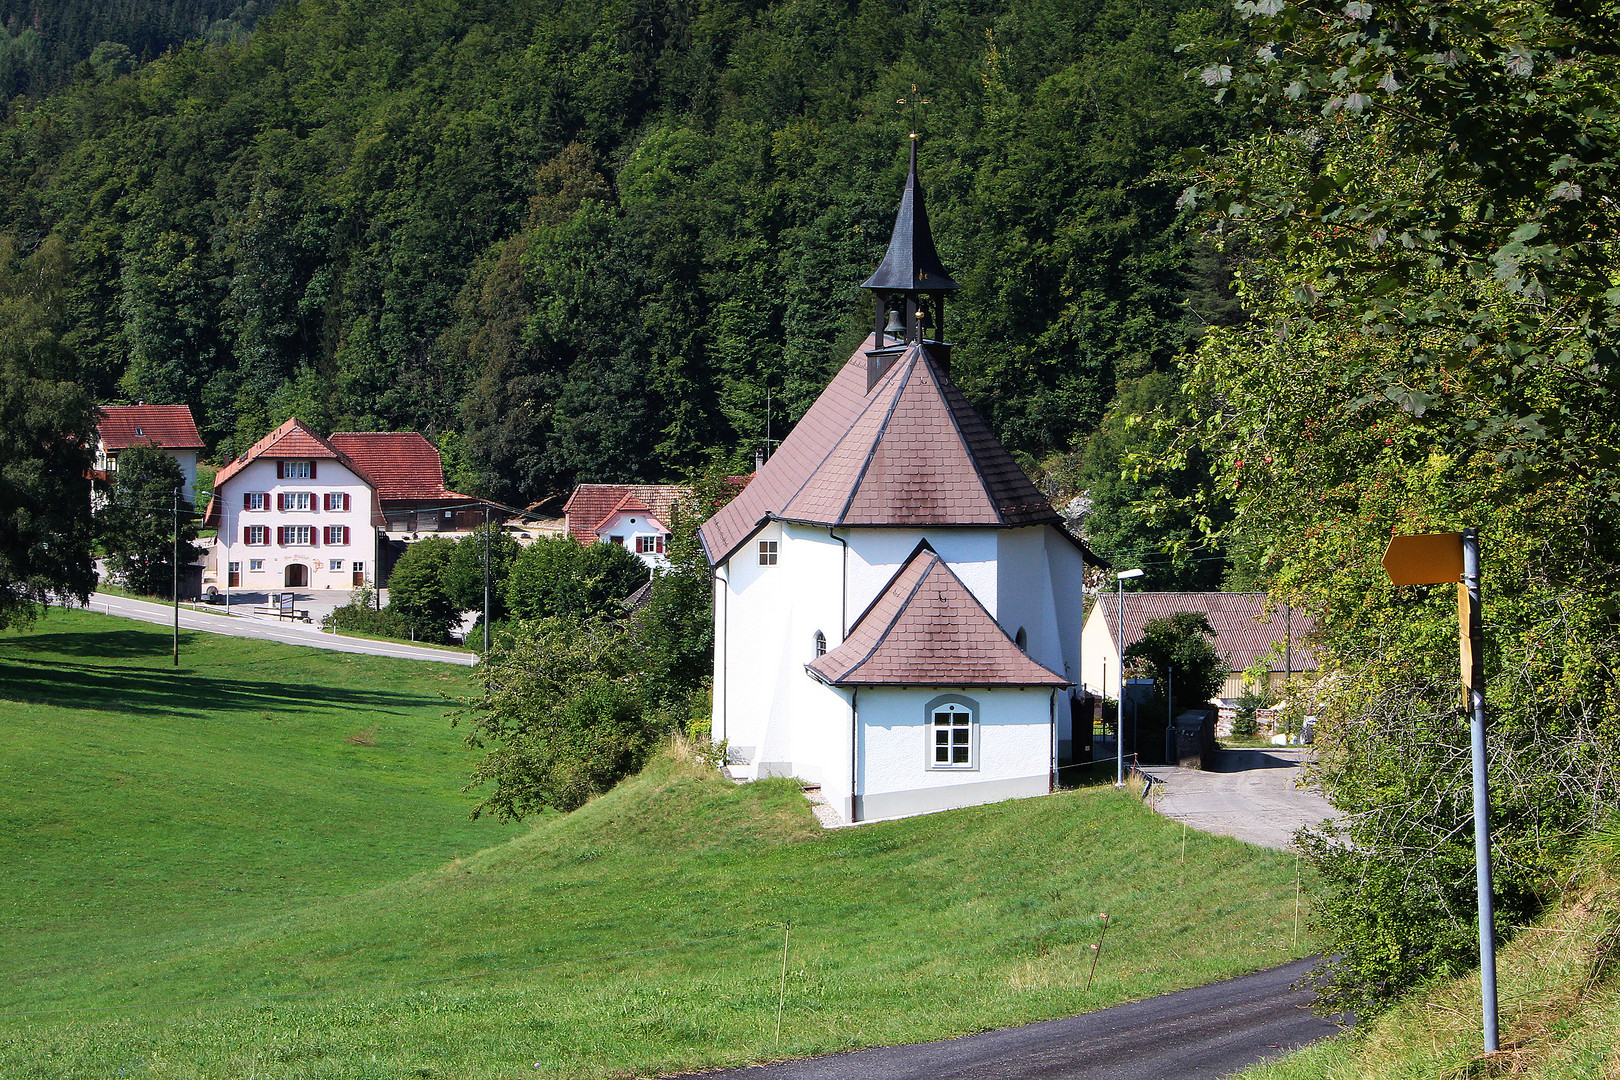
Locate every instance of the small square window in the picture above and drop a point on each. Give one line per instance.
(255, 564)
(334, 564)
(767, 553)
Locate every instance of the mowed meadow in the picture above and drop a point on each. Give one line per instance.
(261, 864)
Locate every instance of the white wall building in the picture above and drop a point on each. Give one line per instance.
(897, 608)
(634, 516)
(294, 512)
(168, 427)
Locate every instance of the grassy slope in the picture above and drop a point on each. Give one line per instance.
(1558, 1022)
(901, 931)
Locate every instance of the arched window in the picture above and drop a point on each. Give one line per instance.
(952, 723)
(1021, 639)
(821, 643)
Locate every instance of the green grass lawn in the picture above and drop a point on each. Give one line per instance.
(225, 838)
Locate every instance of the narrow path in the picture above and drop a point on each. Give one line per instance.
(285, 633)
(1247, 794)
(1199, 1034)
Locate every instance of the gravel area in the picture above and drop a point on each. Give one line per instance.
(1252, 795)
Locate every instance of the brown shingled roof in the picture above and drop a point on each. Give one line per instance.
(402, 464)
(926, 628)
(170, 426)
(909, 452)
(1244, 631)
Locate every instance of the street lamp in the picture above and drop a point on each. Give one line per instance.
(1119, 713)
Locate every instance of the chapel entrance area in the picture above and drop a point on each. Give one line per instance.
(296, 576)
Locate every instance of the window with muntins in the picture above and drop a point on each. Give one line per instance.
(297, 470)
(821, 643)
(296, 535)
(337, 500)
(256, 534)
(255, 500)
(767, 553)
(953, 732)
(295, 500)
(336, 534)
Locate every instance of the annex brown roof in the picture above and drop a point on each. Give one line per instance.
(291, 440)
(909, 452)
(1244, 630)
(402, 465)
(591, 505)
(926, 628)
(170, 426)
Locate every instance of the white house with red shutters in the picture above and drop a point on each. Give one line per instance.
(634, 516)
(295, 512)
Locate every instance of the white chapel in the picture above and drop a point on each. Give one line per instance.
(897, 607)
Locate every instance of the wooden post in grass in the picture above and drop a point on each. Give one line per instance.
(781, 995)
(1096, 950)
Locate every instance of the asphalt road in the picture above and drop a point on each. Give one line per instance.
(1247, 794)
(1199, 1034)
(287, 633)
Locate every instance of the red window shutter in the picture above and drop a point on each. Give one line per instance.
(312, 470)
(281, 470)
(314, 536)
(247, 500)
(345, 505)
(281, 500)
(345, 528)
(281, 536)
(247, 537)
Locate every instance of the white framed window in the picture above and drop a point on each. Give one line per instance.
(295, 535)
(255, 500)
(295, 500)
(255, 534)
(767, 553)
(255, 564)
(820, 643)
(952, 722)
(334, 564)
(337, 500)
(335, 534)
(650, 545)
(297, 470)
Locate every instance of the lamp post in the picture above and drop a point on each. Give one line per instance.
(1119, 713)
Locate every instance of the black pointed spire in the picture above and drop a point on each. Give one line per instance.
(911, 264)
(910, 271)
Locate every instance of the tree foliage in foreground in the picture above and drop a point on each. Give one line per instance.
(1430, 189)
(47, 425)
(137, 526)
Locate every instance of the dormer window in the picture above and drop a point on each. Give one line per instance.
(138, 431)
(295, 470)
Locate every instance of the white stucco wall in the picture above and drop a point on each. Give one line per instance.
(629, 526)
(260, 476)
(1014, 750)
(1100, 667)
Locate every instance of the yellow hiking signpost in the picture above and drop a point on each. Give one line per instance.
(1436, 559)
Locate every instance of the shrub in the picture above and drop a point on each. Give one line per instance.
(359, 616)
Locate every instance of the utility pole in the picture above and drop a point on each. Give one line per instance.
(174, 577)
(486, 579)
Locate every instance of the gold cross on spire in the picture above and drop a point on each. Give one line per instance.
(916, 101)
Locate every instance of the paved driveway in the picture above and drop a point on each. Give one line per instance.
(288, 633)
(1247, 794)
(1200, 1034)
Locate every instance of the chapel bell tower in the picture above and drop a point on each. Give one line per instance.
(909, 286)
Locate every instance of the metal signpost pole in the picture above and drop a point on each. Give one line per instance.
(1472, 663)
(1119, 713)
(486, 580)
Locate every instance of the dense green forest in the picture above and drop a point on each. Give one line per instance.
(587, 244)
(45, 43)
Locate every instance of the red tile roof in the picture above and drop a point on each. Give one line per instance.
(591, 505)
(291, 440)
(402, 465)
(926, 628)
(1244, 630)
(170, 426)
(909, 452)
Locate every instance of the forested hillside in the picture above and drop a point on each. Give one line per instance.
(585, 244)
(47, 42)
